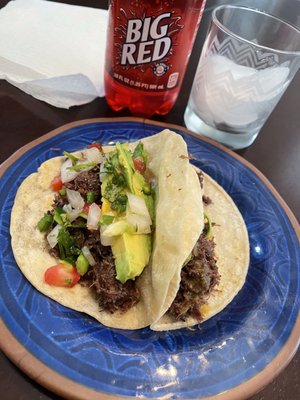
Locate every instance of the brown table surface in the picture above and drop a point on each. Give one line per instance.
(276, 153)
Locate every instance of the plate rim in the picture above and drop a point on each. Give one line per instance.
(63, 386)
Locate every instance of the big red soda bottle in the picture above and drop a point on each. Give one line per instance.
(148, 48)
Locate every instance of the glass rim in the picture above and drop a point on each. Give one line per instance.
(257, 11)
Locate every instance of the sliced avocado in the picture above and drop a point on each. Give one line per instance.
(138, 182)
(132, 253)
(125, 160)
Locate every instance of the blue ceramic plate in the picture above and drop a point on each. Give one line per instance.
(237, 351)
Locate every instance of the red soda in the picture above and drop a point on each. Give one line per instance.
(148, 47)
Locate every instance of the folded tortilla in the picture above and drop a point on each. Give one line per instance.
(179, 222)
(232, 252)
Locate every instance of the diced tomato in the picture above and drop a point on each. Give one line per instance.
(56, 184)
(139, 165)
(97, 145)
(86, 208)
(63, 275)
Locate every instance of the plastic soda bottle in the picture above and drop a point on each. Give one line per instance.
(148, 47)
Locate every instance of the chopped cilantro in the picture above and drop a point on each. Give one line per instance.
(112, 165)
(114, 187)
(79, 225)
(68, 250)
(106, 219)
(73, 158)
(120, 203)
(79, 167)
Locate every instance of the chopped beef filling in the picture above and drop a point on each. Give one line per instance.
(201, 178)
(85, 182)
(198, 278)
(111, 294)
(59, 201)
(206, 200)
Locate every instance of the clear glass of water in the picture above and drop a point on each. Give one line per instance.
(248, 60)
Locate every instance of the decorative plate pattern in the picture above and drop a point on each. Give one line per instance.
(220, 354)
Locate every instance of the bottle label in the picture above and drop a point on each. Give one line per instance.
(149, 45)
(146, 40)
(147, 51)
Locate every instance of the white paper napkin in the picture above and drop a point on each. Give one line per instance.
(53, 51)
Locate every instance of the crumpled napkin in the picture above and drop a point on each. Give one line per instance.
(52, 51)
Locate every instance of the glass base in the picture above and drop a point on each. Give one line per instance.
(234, 141)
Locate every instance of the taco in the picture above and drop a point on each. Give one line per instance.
(215, 271)
(143, 188)
(190, 251)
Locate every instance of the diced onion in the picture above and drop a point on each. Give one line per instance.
(103, 173)
(67, 208)
(75, 199)
(105, 240)
(138, 206)
(93, 217)
(67, 175)
(52, 236)
(94, 155)
(139, 222)
(88, 255)
(115, 229)
(72, 214)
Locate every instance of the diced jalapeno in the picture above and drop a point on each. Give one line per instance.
(147, 189)
(45, 223)
(90, 197)
(62, 191)
(82, 264)
(57, 216)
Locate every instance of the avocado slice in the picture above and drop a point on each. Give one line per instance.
(131, 251)
(125, 160)
(132, 254)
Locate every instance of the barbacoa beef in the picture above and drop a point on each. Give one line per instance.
(198, 278)
(111, 294)
(85, 182)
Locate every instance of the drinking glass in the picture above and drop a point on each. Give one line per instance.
(248, 60)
